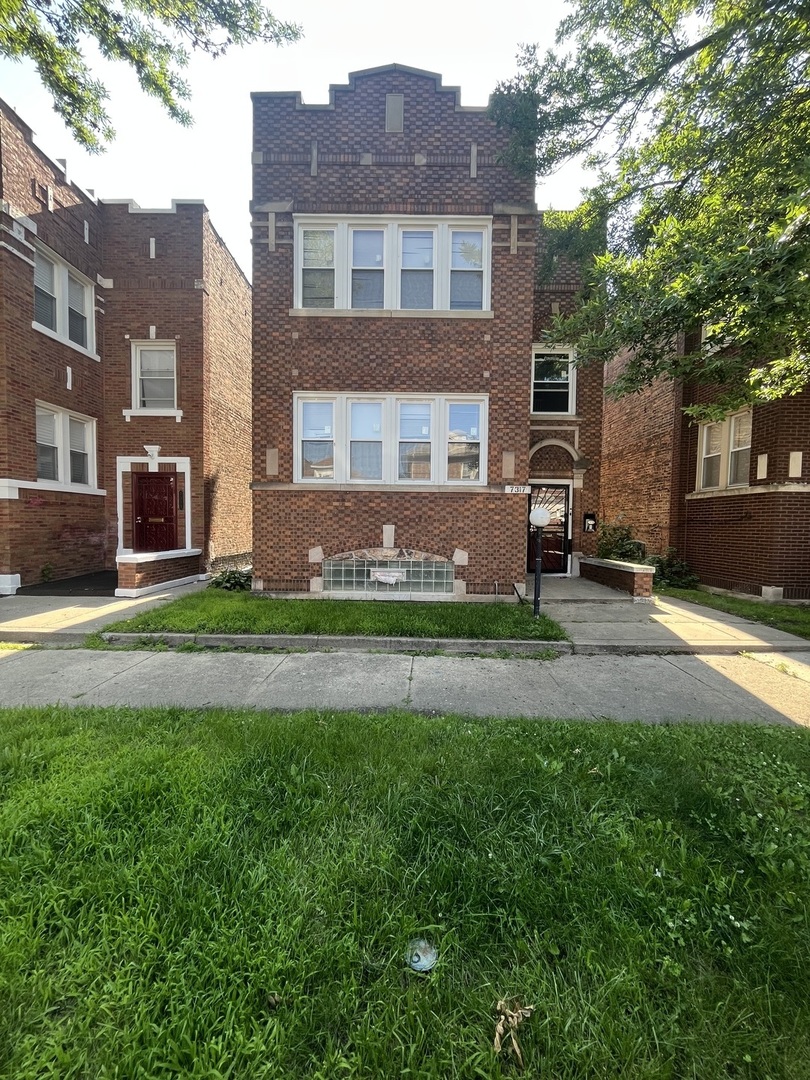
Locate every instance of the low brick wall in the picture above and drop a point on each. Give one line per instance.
(633, 578)
(133, 575)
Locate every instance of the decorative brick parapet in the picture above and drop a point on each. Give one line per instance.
(633, 578)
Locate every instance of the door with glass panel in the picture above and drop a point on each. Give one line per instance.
(556, 535)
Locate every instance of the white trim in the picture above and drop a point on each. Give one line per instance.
(176, 413)
(62, 418)
(14, 251)
(62, 271)
(161, 345)
(758, 489)
(46, 330)
(134, 208)
(392, 227)
(387, 313)
(9, 489)
(556, 350)
(162, 586)
(9, 583)
(124, 464)
(157, 556)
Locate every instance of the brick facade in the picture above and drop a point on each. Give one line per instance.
(752, 538)
(151, 275)
(339, 159)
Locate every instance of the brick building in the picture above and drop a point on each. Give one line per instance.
(124, 383)
(399, 390)
(733, 498)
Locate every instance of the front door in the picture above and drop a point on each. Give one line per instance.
(556, 543)
(154, 504)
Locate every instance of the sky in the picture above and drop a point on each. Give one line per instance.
(472, 44)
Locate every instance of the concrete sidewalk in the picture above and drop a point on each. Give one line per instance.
(596, 619)
(755, 688)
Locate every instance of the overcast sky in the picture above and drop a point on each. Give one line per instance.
(472, 44)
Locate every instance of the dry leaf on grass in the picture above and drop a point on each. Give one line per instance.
(510, 1016)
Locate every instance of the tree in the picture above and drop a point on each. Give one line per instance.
(151, 35)
(695, 115)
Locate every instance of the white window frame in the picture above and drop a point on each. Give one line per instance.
(392, 228)
(63, 271)
(561, 351)
(136, 348)
(438, 438)
(726, 429)
(62, 418)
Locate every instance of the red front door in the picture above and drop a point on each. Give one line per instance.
(154, 504)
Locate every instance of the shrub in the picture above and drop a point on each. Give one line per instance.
(615, 541)
(232, 580)
(672, 570)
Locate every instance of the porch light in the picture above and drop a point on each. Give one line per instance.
(539, 518)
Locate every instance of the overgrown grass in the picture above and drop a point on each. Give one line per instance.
(793, 620)
(214, 612)
(231, 894)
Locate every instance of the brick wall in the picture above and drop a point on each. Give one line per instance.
(426, 169)
(732, 540)
(640, 460)
(227, 441)
(62, 531)
(142, 575)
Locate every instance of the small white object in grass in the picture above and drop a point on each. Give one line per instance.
(421, 955)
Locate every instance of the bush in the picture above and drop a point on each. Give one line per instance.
(616, 542)
(232, 580)
(672, 570)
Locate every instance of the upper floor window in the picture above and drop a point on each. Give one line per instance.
(154, 380)
(724, 453)
(66, 448)
(391, 439)
(406, 264)
(553, 380)
(63, 302)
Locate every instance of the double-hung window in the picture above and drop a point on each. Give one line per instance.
(63, 302)
(154, 379)
(391, 439)
(553, 380)
(66, 448)
(389, 264)
(724, 452)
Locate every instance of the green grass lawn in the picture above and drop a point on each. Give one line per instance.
(231, 894)
(213, 611)
(793, 620)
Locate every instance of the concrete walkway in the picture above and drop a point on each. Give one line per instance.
(623, 663)
(756, 687)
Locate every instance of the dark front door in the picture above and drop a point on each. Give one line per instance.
(555, 498)
(154, 504)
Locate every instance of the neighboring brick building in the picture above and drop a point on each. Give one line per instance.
(396, 392)
(124, 383)
(732, 498)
